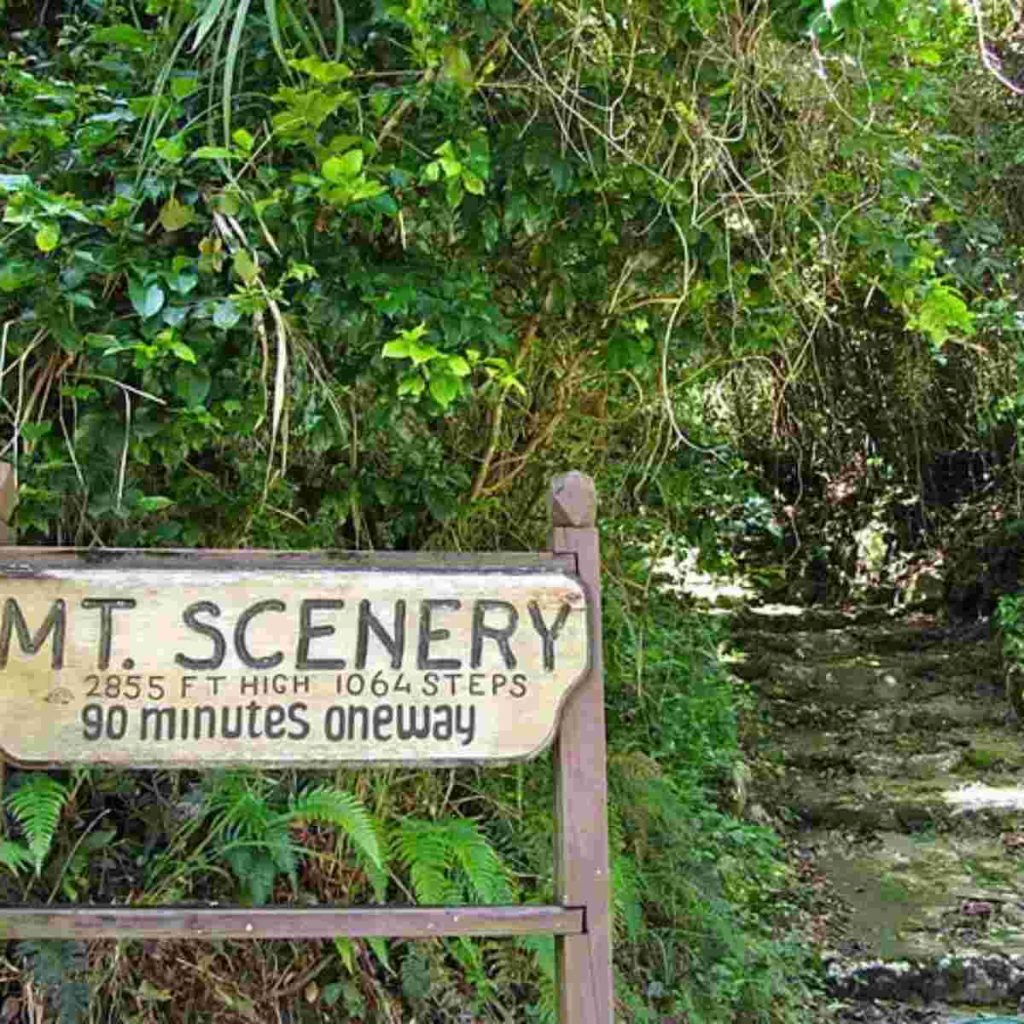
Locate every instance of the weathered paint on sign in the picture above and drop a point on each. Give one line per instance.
(151, 666)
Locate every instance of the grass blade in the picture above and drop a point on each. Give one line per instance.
(206, 22)
(230, 63)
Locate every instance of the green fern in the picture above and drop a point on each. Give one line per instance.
(450, 862)
(15, 856)
(253, 832)
(326, 805)
(36, 806)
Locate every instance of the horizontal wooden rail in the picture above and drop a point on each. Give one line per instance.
(185, 922)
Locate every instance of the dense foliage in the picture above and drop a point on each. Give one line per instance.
(305, 273)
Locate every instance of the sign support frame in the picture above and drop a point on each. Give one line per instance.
(580, 921)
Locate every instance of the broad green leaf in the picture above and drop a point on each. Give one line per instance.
(182, 86)
(172, 150)
(148, 299)
(226, 314)
(182, 351)
(411, 384)
(458, 366)
(48, 237)
(243, 140)
(472, 183)
(324, 71)
(444, 389)
(338, 169)
(245, 266)
(175, 215)
(122, 35)
(457, 66)
(397, 348)
(191, 384)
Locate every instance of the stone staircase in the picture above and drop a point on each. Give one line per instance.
(887, 746)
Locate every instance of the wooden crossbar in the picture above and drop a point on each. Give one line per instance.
(185, 922)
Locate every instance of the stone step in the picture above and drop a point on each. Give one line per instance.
(901, 714)
(918, 755)
(923, 897)
(948, 803)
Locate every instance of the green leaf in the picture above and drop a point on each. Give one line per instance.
(458, 366)
(411, 384)
(472, 183)
(214, 153)
(48, 237)
(182, 351)
(245, 266)
(37, 805)
(148, 299)
(325, 72)
(444, 389)
(154, 503)
(127, 36)
(182, 86)
(243, 140)
(397, 348)
(338, 169)
(457, 66)
(192, 384)
(225, 315)
(172, 150)
(175, 215)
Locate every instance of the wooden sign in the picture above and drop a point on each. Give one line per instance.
(206, 658)
(129, 662)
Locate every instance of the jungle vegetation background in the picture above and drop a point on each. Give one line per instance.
(365, 274)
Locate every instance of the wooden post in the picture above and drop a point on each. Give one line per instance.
(8, 499)
(581, 850)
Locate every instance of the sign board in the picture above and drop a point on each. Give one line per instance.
(288, 662)
(210, 658)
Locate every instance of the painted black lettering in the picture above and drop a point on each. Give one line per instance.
(55, 622)
(274, 724)
(241, 647)
(308, 632)
(106, 606)
(362, 713)
(412, 722)
(428, 634)
(549, 636)
(499, 634)
(188, 616)
(92, 722)
(297, 717)
(204, 719)
(466, 729)
(383, 716)
(443, 722)
(160, 720)
(394, 642)
(334, 723)
(228, 729)
(254, 709)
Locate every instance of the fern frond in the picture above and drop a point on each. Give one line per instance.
(488, 880)
(15, 856)
(327, 805)
(422, 848)
(36, 806)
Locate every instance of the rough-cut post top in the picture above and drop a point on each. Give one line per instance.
(572, 500)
